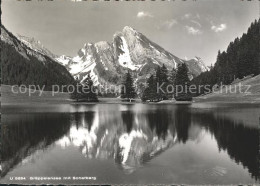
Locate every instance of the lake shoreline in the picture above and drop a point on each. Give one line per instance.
(9, 98)
(112, 101)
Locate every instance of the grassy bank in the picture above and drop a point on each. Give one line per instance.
(8, 96)
(252, 95)
(250, 92)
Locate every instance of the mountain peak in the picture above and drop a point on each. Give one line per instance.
(87, 45)
(128, 29)
(197, 63)
(129, 50)
(197, 58)
(102, 45)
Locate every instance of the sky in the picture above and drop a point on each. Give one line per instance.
(184, 28)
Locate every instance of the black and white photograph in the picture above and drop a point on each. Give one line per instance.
(130, 92)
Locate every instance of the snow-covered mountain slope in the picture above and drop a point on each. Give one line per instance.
(64, 60)
(129, 50)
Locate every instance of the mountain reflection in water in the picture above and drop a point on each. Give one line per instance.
(132, 135)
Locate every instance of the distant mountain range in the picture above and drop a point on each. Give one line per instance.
(129, 50)
(106, 62)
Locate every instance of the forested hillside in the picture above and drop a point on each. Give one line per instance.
(241, 58)
(23, 65)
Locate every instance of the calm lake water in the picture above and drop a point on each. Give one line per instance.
(139, 143)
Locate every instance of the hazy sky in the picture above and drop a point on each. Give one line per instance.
(184, 28)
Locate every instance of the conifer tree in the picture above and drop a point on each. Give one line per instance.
(162, 82)
(158, 82)
(152, 94)
(158, 75)
(164, 74)
(128, 89)
(150, 91)
(90, 91)
(77, 88)
(84, 91)
(173, 75)
(182, 83)
(172, 78)
(165, 82)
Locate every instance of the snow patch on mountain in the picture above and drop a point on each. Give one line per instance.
(80, 65)
(156, 62)
(83, 51)
(94, 78)
(77, 59)
(64, 60)
(124, 59)
(93, 75)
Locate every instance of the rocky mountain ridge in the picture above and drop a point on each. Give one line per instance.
(129, 50)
